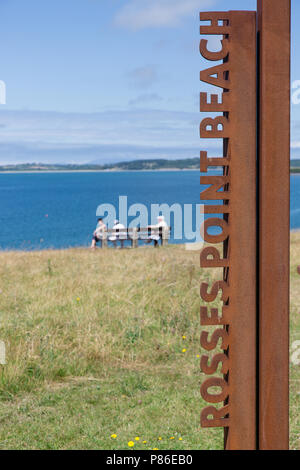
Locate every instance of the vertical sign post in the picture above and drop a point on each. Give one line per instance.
(252, 328)
(274, 222)
(237, 127)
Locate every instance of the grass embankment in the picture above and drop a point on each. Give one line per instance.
(295, 336)
(102, 343)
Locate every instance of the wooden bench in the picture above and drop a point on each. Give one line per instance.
(135, 234)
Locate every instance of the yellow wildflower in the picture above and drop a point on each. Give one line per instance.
(184, 350)
(130, 444)
(137, 438)
(113, 436)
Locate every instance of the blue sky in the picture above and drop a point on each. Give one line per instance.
(107, 80)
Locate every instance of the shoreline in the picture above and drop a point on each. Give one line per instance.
(14, 172)
(293, 231)
(96, 171)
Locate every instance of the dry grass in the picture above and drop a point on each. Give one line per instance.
(295, 336)
(76, 308)
(94, 347)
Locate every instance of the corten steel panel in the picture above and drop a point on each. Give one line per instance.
(274, 223)
(241, 433)
(240, 248)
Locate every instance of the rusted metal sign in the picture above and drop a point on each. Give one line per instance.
(236, 76)
(238, 333)
(274, 222)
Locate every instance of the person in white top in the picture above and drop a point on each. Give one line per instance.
(161, 223)
(98, 233)
(119, 235)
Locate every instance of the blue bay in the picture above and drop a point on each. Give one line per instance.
(58, 210)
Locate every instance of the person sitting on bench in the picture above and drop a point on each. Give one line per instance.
(121, 236)
(161, 223)
(98, 233)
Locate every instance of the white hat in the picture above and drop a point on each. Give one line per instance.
(160, 217)
(116, 222)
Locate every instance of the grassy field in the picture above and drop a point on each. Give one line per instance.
(106, 343)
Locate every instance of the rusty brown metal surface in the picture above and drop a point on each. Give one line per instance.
(274, 223)
(236, 324)
(242, 240)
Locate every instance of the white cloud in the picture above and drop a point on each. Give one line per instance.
(28, 136)
(140, 14)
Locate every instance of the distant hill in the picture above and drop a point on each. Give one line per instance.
(295, 166)
(159, 164)
(135, 165)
